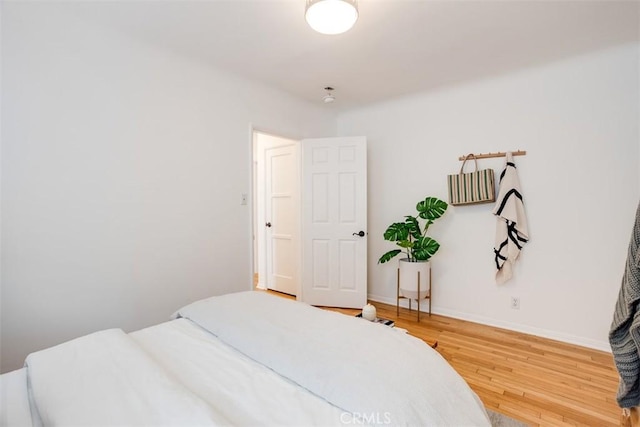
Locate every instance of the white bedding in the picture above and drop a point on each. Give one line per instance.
(273, 362)
(364, 368)
(14, 399)
(106, 379)
(246, 393)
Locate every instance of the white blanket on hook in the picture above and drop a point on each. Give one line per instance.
(511, 231)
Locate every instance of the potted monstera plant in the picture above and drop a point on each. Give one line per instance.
(418, 248)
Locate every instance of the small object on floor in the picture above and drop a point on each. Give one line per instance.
(387, 322)
(434, 345)
(369, 312)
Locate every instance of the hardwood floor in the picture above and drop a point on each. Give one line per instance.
(536, 380)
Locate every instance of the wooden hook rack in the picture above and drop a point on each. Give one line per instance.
(497, 154)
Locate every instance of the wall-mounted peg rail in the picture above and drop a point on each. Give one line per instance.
(490, 155)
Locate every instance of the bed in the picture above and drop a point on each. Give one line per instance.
(245, 359)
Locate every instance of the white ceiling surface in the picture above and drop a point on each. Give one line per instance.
(397, 47)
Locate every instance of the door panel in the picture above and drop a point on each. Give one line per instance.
(281, 214)
(334, 211)
(347, 274)
(347, 201)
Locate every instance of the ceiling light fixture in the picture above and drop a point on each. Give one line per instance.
(328, 98)
(331, 16)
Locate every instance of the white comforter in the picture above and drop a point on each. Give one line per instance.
(372, 371)
(106, 379)
(242, 391)
(273, 362)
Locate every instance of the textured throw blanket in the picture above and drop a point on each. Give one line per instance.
(511, 230)
(624, 335)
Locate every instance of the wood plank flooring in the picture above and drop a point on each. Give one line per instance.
(536, 380)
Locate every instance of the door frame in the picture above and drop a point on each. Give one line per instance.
(259, 243)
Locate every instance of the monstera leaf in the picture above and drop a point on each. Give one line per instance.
(397, 231)
(424, 248)
(388, 256)
(413, 227)
(431, 208)
(405, 244)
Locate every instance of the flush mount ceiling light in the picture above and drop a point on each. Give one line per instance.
(331, 16)
(328, 98)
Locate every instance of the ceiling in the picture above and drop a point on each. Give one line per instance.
(397, 47)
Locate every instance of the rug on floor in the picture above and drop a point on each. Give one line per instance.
(499, 420)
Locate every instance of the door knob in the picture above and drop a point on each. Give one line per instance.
(268, 224)
(359, 233)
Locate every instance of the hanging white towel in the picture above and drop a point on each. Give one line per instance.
(511, 231)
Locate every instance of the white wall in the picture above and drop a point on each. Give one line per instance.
(122, 172)
(578, 120)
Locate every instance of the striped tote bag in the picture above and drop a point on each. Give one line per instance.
(472, 187)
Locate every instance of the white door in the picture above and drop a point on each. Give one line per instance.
(282, 212)
(334, 222)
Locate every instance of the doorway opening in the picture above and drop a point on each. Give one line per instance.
(276, 215)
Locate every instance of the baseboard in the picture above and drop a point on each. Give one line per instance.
(540, 332)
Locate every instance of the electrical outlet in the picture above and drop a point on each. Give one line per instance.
(243, 200)
(515, 303)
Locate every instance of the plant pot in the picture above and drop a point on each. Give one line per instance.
(408, 278)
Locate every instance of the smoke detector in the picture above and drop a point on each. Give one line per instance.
(328, 98)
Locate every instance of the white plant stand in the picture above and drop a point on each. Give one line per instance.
(419, 293)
